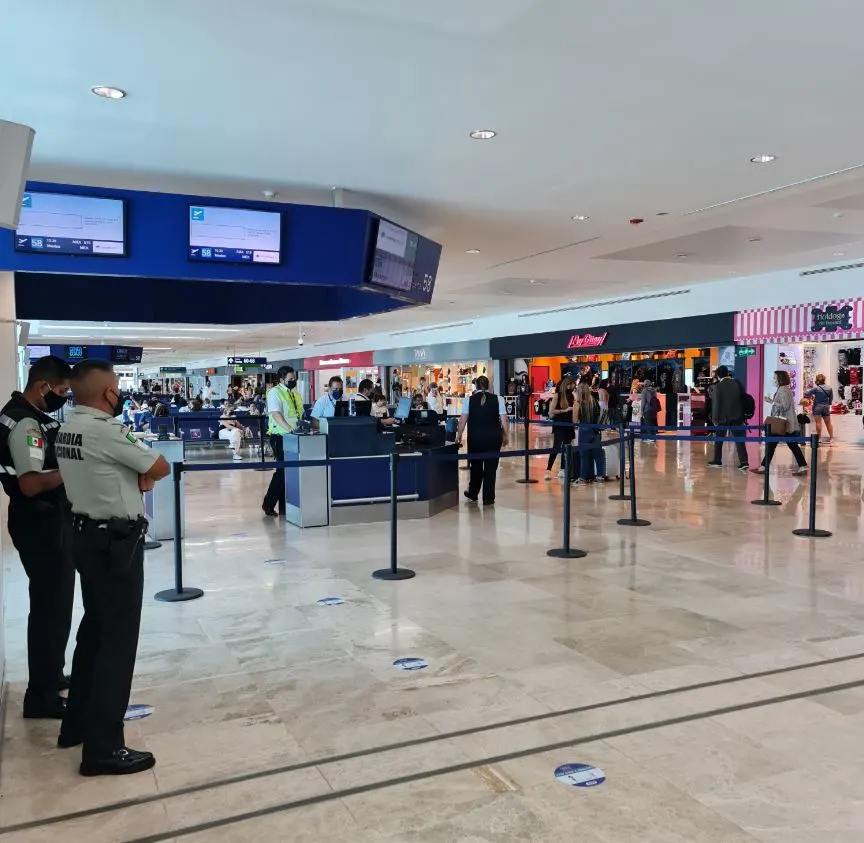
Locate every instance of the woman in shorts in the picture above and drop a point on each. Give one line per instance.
(822, 397)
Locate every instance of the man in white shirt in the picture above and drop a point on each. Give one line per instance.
(325, 406)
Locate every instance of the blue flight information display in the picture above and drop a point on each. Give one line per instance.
(234, 235)
(404, 263)
(68, 224)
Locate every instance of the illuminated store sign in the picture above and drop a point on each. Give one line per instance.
(587, 340)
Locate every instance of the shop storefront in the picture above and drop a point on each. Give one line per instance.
(806, 340)
(452, 366)
(676, 354)
(352, 368)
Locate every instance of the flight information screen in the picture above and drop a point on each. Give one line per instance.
(66, 224)
(234, 235)
(404, 263)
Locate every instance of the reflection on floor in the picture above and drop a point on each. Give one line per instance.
(258, 677)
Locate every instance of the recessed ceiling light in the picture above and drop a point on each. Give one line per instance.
(108, 93)
(754, 239)
(580, 217)
(839, 254)
(683, 255)
(533, 281)
(483, 134)
(763, 159)
(472, 251)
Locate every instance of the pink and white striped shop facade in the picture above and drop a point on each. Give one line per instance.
(823, 321)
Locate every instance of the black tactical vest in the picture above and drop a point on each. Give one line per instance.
(16, 410)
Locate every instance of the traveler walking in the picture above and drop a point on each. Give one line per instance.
(485, 415)
(650, 406)
(783, 408)
(822, 397)
(728, 411)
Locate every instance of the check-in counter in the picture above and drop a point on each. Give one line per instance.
(159, 502)
(358, 482)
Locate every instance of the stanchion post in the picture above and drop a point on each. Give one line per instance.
(178, 594)
(394, 572)
(527, 480)
(565, 551)
(261, 420)
(765, 500)
(810, 531)
(633, 520)
(622, 468)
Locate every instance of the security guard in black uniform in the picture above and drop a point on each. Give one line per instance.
(485, 415)
(39, 524)
(105, 470)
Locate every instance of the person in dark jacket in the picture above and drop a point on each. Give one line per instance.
(485, 416)
(727, 410)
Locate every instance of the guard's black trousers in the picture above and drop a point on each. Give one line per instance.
(42, 539)
(276, 490)
(484, 472)
(107, 643)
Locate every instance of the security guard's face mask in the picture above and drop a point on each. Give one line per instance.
(53, 401)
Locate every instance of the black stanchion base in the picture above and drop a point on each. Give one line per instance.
(390, 574)
(152, 545)
(634, 522)
(762, 502)
(619, 497)
(812, 534)
(561, 553)
(529, 481)
(171, 595)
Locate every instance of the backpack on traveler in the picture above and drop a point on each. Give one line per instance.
(748, 403)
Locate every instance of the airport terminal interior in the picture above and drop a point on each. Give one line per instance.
(505, 363)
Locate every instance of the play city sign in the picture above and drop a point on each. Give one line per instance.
(587, 340)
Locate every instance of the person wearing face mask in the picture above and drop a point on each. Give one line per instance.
(39, 525)
(285, 409)
(105, 469)
(325, 406)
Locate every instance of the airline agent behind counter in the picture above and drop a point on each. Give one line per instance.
(285, 408)
(325, 406)
(105, 469)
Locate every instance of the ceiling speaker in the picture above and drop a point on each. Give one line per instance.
(16, 141)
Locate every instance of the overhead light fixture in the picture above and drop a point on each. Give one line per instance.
(98, 329)
(763, 159)
(472, 251)
(683, 255)
(579, 217)
(483, 134)
(839, 254)
(157, 348)
(108, 93)
(754, 239)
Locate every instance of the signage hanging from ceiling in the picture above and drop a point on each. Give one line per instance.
(247, 361)
(587, 340)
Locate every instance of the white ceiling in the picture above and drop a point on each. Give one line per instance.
(610, 113)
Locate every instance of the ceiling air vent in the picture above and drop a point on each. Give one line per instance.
(606, 303)
(430, 328)
(831, 269)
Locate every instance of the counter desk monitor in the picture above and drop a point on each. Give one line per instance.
(403, 409)
(422, 417)
(343, 408)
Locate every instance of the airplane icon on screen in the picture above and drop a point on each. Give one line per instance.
(22, 241)
(197, 213)
(194, 252)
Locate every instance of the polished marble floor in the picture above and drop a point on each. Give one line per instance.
(711, 664)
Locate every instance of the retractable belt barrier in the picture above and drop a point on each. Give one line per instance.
(627, 437)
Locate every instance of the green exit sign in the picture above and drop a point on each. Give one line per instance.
(746, 351)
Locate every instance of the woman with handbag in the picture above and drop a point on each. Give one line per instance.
(561, 416)
(783, 421)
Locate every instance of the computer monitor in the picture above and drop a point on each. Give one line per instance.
(361, 408)
(422, 417)
(403, 408)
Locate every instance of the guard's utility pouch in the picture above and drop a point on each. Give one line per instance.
(124, 539)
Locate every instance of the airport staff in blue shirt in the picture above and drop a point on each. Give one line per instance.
(325, 406)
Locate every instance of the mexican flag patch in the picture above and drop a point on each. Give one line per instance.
(34, 441)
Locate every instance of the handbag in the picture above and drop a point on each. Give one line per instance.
(777, 425)
(803, 418)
